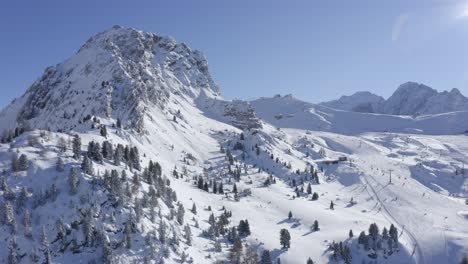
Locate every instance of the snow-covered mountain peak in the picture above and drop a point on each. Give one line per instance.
(410, 98)
(358, 102)
(139, 46)
(120, 73)
(455, 91)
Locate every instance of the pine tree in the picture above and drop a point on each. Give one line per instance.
(266, 257)
(332, 205)
(60, 166)
(315, 226)
(62, 145)
(346, 254)
(76, 147)
(104, 131)
(188, 235)
(107, 150)
(53, 192)
(8, 193)
(23, 163)
(7, 213)
(285, 238)
(183, 257)
(194, 209)
(60, 227)
(135, 182)
(14, 163)
(22, 198)
(95, 151)
(310, 261)
(374, 230)
(44, 240)
(243, 228)
(47, 257)
(12, 251)
(88, 230)
(174, 239)
(162, 232)
(180, 214)
(27, 223)
(221, 188)
(135, 158)
(235, 253)
(232, 235)
(393, 232)
(385, 234)
(118, 154)
(87, 166)
(250, 256)
(73, 181)
(363, 240)
(34, 256)
(106, 251)
(290, 215)
(315, 196)
(464, 260)
(200, 182)
(128, 235)
(351, 233)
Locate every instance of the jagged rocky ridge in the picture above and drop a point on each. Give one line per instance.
(409, 99)
(120, 74)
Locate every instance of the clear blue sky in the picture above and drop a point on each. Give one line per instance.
(316, 50)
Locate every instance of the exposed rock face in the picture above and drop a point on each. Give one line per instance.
(409, 99)
(117, 74)
(242, 115)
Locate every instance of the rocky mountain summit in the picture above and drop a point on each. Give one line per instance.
(119, 74)
(409, 99)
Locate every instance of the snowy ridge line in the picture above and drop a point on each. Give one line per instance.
(410, 98)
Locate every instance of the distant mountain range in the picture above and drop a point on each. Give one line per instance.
(410, 98)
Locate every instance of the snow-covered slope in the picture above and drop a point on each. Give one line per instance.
(176, 170)
(291, 112)
(409, 99)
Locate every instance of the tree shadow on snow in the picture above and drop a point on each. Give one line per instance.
(276, 253)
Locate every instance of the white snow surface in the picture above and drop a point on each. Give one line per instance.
(425, 199)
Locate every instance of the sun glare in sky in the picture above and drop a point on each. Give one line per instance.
(464, 11)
